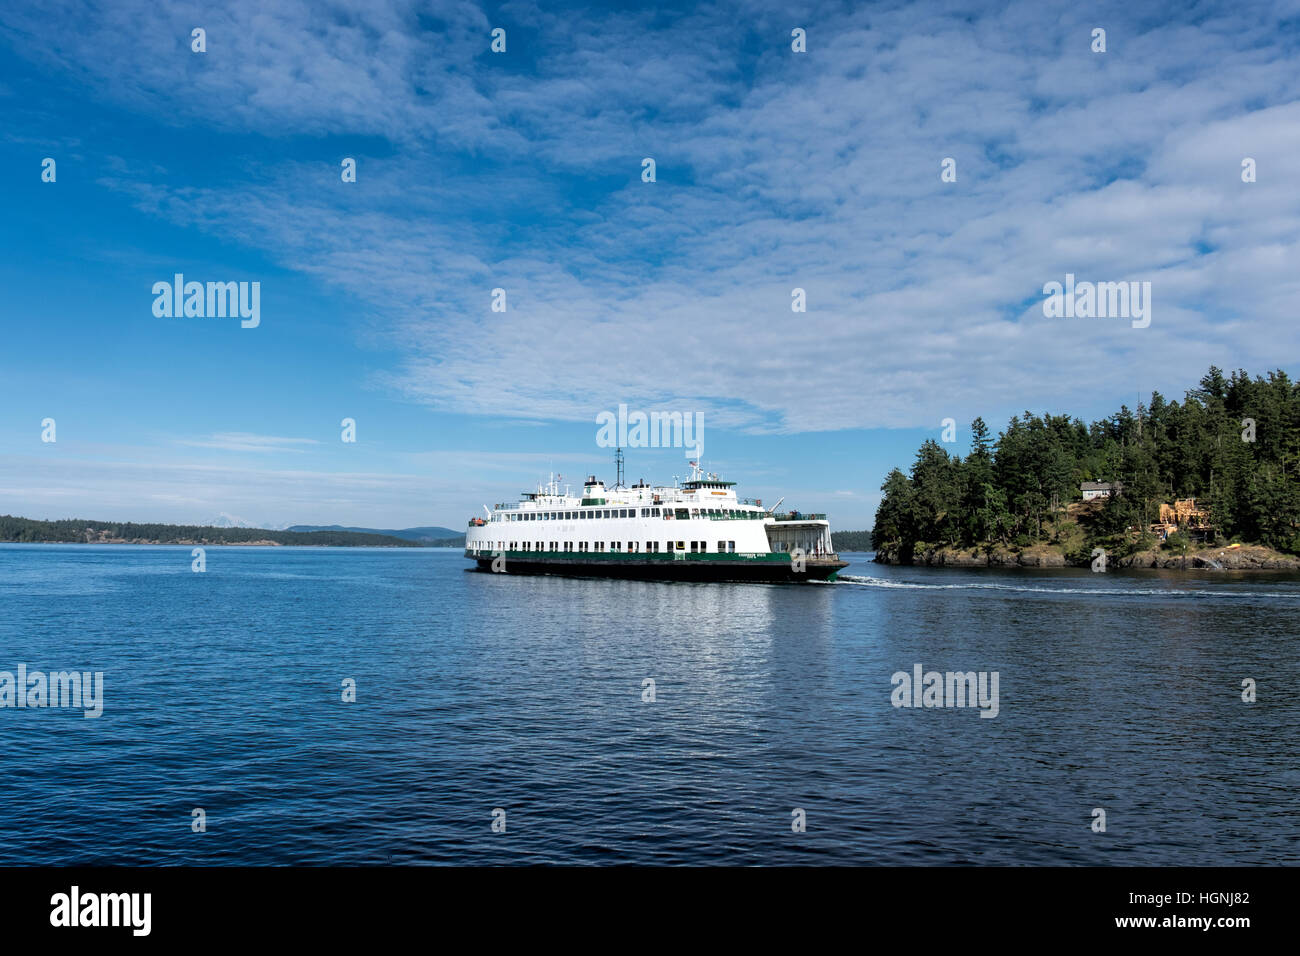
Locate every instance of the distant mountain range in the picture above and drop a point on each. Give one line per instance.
(430, 535)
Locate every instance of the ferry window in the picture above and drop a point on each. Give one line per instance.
(683, 514)
(654, 512)
(623, 513)
(695, 512)
(731, 546)
(681, 545)
(722, 546)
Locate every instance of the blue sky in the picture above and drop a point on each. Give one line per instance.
(522, 171)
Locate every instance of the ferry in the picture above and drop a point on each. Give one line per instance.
(694, 530)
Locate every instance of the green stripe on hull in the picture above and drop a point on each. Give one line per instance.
(688, 567)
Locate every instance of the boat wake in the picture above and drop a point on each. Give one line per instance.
(865, 581)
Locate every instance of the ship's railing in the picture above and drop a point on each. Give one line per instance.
(799, 516)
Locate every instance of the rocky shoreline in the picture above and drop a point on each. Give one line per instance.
(1244, 558)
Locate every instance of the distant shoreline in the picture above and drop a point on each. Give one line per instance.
(235, 544)
(15, 530)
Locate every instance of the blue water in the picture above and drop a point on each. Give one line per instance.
(1119, 691)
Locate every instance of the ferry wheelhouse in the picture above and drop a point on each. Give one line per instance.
(696, 530)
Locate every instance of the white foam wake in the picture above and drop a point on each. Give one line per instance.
(864, 580)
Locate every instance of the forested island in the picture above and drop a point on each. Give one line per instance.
(1213, 481)
(81, 531)
(851, 540)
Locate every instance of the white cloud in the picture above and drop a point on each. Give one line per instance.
(819, 171)
(244, 441)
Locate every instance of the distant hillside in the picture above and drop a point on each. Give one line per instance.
(83, 531)
(428, 536)
(851, 540)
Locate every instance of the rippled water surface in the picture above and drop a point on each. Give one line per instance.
(1119, 691)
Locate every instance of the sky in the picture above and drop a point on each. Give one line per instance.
(522, 170)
